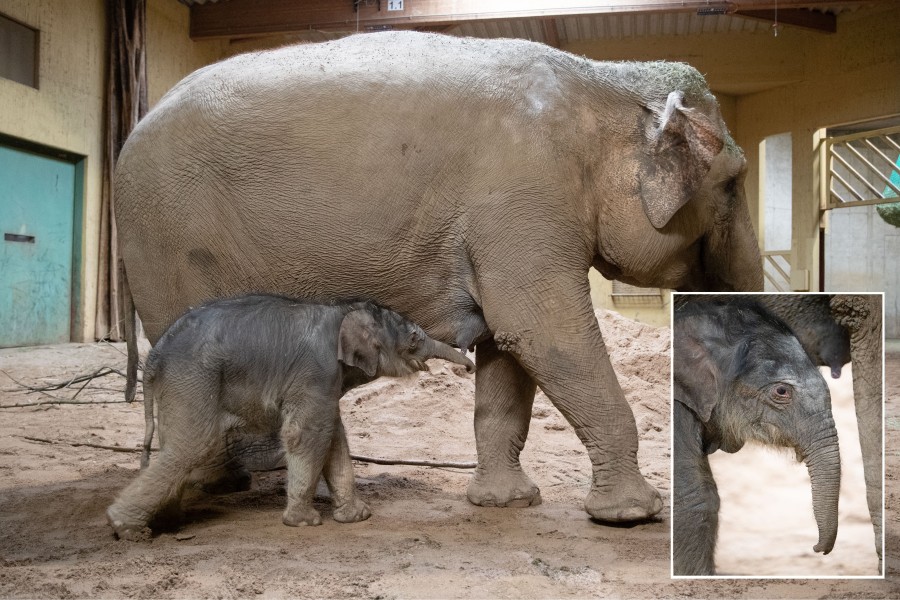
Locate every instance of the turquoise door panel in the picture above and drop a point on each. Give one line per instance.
(37, 201)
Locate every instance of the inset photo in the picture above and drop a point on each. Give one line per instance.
(777, 432)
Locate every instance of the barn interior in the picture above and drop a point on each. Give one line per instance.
(807, 90)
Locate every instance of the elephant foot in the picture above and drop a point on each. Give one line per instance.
(623, 500)
(229, 483)
(507, 488)
(125, 529)
(352, 512)
(297, 516)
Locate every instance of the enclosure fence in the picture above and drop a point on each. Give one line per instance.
(862, 168)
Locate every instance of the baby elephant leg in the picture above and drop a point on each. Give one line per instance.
(306, 434)
(348, 507)
(223, 474)
(157, 490)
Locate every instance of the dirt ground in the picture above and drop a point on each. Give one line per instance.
(424, 540)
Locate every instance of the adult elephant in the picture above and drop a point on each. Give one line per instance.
(467, 184)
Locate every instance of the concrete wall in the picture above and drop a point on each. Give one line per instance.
(171, 55)
(775, 196)
(66, 112)
(862, 253)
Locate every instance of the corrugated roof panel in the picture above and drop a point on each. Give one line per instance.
(615, 26)
(640, 26)
(655, 23)
(536, 29)
(570, 28)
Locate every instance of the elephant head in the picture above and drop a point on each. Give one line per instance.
(745, 376)
(381, 342)
(692, 222)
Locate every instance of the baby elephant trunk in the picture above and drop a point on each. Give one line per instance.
(823, 460)
(436, 349)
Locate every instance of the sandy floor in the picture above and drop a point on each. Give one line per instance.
(424, 540)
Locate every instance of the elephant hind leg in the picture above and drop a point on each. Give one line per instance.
(188, 440)
(223, 476)
(155, 494)
(504, 394)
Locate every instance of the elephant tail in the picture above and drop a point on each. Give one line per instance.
(130, 336)
(149, 426)
(131, 369)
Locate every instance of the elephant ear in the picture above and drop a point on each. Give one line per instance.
(697, 376)
(682, 145)
(358, 344)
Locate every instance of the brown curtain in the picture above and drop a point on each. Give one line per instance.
(126, 103)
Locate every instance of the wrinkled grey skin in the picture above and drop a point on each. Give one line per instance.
(809, 317)
(260, 364)
(862, 316)
(467, 184)
(741, 374)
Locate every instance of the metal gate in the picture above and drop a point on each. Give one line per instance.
(860, 198)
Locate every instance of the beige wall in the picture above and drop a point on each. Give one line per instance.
(846, 77)
(171, 55)
(67, 111)
(656, 314)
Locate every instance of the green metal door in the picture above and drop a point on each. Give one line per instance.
(37, 201)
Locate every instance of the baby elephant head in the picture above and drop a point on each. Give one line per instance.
(745, 376)
(381, 342)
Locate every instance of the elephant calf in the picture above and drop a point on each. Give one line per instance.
(741, 374)
(254, 365)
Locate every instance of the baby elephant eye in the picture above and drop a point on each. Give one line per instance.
(782, 393)
(413, 340)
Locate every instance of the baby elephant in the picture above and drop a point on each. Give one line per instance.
(741, 374)
(256, 365)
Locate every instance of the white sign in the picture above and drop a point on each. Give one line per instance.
(395, 4)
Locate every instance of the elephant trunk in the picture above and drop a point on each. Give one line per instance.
(436, 349)
(823, 460)
(731, 256)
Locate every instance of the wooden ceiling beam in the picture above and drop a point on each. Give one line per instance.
(806, 19)
(241, 18)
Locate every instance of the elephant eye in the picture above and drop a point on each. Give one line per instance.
(782, 393)
(731, 187)
(413, 340)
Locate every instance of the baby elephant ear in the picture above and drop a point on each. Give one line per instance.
(682, 143)
(697, 377)
(358, 344)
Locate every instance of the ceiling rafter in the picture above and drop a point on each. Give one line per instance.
(243, 18)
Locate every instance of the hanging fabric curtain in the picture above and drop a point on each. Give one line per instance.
(126, 104)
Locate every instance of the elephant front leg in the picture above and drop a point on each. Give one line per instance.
(307, 438)
(558, 342)
(338, 472)
(504, 394)
(579, 380)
